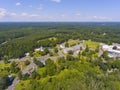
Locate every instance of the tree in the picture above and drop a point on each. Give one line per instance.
(105, 55)
(46, 50)
(35, 75)
(20, 75)
(69, 57)
(87, 48)
(27, 62)
(51, 53)
(116, 64)
(83, 53)
(70, 52)
(39, 63)
(81, 48)
(14, 67)
(55, 50)
(50, 67)
(61, 60)
(102, 65)
(115, 47)
(25, 76)
(97, 49)
(5, 59)
(66, 44)
(31, 54)
(3, 82)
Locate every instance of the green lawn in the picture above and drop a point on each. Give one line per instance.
(41, 71)
(2, 68)
(91, 44)
(53, 38)
(73, 42)
(2, 65)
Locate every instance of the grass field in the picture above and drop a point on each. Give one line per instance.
(41, 71)
(22, 85)
(2, 65)
(53, 39)
(2, 68)
(91, 44)
(73, 42)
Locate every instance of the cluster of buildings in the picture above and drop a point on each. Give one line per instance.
(36, 50)
(75, 49)
(113, 50)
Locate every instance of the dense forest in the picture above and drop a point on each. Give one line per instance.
(85, 71)
(24, 37)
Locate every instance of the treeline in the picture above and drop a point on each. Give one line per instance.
(17, 39)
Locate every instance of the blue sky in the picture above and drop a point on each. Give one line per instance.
(59, 10)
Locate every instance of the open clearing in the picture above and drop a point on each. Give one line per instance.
(91, 44)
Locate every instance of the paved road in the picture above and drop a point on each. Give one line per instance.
(30, 68)
(100, 52)
(15, 82)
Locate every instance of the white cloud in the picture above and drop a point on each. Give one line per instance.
(40, 7)
(34, 15)
(57, 1)
(101, 18)
(3, 12)
(6, 15)
(18, 4)
(24, 14)
(13, 14)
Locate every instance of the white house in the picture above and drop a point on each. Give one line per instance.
(27, 54)
(39, 49)
(62, 46)
(112, 52)
(107, 47)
